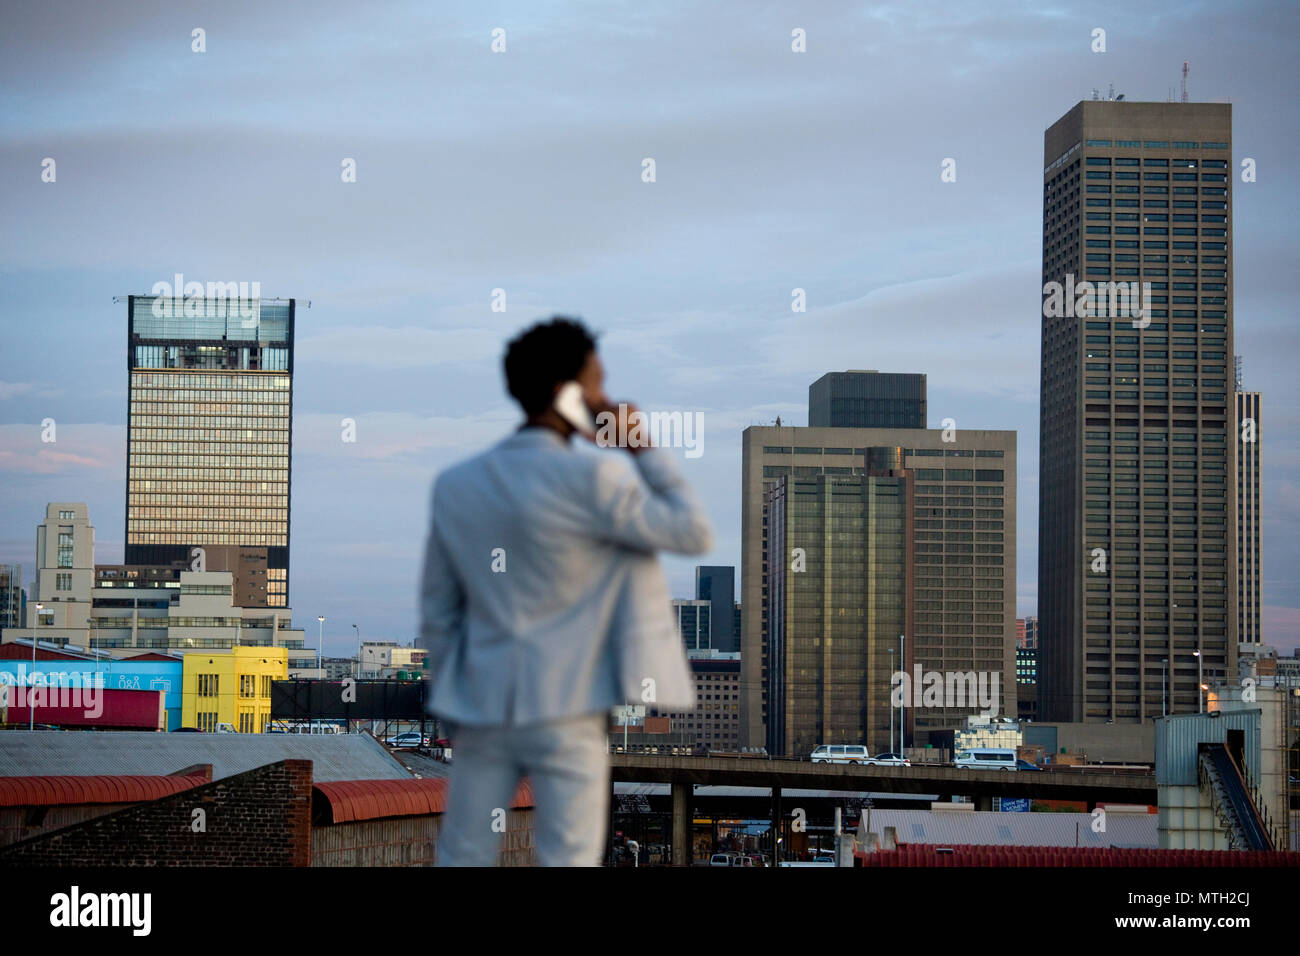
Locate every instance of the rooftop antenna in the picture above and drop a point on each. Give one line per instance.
(1110, 95)
(1184, 81)
(1096, 93)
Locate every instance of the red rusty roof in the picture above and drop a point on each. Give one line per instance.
(346, 801)
(56, 791)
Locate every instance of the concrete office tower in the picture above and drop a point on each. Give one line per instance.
(12, 598)
(209, 428)
(867, 399)
(1249, 524)
(65, 566)
(717, 585)
(962, 546)
(1136, 472)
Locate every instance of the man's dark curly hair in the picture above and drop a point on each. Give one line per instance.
(544, 355)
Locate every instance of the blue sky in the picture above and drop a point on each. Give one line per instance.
(522, 171)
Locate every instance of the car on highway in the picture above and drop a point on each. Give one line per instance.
(840, 753)
(888, 760)
(1026, 765)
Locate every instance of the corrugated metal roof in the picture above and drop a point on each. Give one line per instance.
(1041, 856)
(26, 753)
(987, 828)
(53, 791)
(1177, 739)
(346, 801)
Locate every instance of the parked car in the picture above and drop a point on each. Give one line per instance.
(409, 739)
(722, 859)
(840, 753)
(889, 760)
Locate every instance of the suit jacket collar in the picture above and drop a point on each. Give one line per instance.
(532, 436)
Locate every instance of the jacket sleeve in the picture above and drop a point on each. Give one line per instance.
(648, 506)
(442, 600)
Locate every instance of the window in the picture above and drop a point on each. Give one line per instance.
(63, 582)
(65, 548)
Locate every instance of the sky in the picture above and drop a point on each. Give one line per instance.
(522, 170)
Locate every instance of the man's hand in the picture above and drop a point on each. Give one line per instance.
(631, 427)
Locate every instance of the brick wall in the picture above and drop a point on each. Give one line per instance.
(258, 818)
(410, 841)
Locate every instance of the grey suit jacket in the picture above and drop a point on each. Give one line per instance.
(541, 596)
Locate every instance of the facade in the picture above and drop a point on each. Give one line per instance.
(1249, 519)
(65, 558)
(717, 584)
(962, 504)
(867, 399)
(714, 724)
(837, 603)
(13, 599)
(1137, 480)
(210, 399)
(231, 688)
(693, 623)
(1027, 632)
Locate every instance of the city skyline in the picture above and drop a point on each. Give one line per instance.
(903, 272)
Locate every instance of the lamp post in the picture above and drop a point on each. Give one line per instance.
(1164, 680)
(31, 708)
(902, 708)
(320, 642)
(358, 630)
(888, 695)
(1200, 683)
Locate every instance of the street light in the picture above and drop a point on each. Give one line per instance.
(358, 630)
(889, 695)
(1200, 682)
(320, 642)
(1164, 676)
(31, 708)
(902, 708)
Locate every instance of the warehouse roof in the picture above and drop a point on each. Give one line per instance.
(345, 801)
(25, 753)
(54, 791)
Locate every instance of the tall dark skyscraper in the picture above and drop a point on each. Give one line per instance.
(210, 401)
(867, 399)
(717, 585)
(1136, 540)
(1249, 544)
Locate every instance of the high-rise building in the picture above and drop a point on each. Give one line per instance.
(694, 623)
(867, 399)
(961, 545)
(12, 598)
(1027, 632)
(836, 606)
(717, 585)
(65, 566)
(1137, 487)
(209, 428)
(1249, 544)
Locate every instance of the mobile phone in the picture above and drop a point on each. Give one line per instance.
(572, 408)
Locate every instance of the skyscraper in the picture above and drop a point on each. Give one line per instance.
(1249, 544)
(209, 427)
(717, 585)
(961, 548)
(867, 399)
(1137, 487)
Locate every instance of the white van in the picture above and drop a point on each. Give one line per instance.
(986, 758)
(840, 753)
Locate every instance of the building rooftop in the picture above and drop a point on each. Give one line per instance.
(26, 753)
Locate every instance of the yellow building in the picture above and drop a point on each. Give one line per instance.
(231, 687)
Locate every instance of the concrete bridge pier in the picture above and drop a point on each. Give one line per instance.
(682, 815)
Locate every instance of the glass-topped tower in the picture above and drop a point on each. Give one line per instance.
(209, 428)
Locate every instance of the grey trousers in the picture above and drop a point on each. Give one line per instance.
(568, 767)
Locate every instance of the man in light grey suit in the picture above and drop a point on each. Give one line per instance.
(543, 606)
